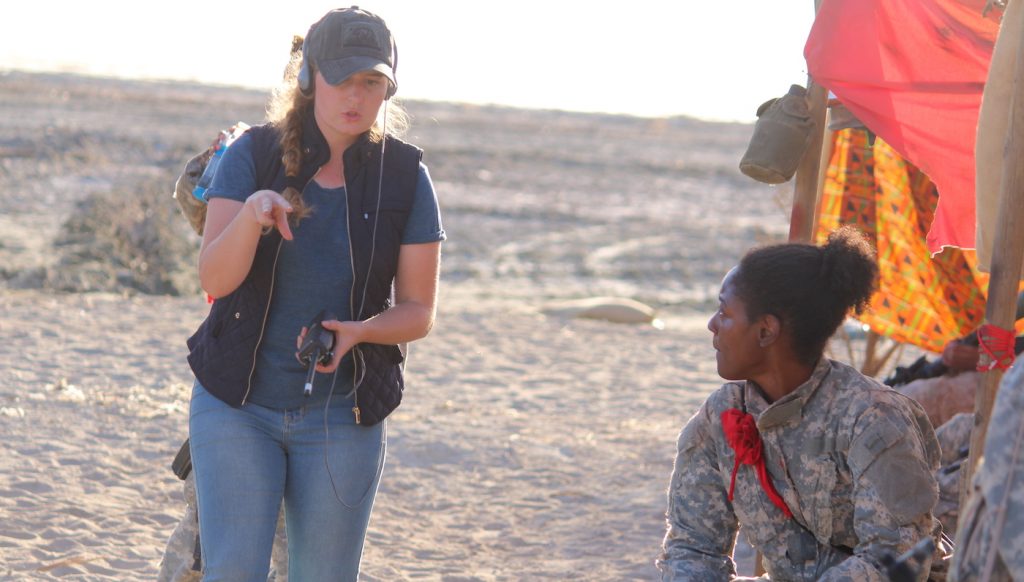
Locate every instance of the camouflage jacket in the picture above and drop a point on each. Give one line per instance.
(993, 519)
(853, 460)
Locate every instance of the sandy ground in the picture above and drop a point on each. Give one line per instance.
(505, 462)
(530, 446)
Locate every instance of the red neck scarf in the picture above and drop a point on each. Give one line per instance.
(741, 434)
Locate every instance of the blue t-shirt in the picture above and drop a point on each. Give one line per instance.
(314, 273)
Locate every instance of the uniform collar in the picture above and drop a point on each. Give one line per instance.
(790, 407)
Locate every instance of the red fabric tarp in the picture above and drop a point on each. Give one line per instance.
(913, 72)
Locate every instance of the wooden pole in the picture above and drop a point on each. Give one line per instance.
(827, 145)
(805, 186)
(1007, 256)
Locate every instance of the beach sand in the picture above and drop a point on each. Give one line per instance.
(531, 445)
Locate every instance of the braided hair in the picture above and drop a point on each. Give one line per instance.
(287, 109)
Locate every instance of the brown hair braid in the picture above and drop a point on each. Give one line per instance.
(291, 156)
(287, 109)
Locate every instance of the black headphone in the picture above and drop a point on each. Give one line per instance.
(305, 78)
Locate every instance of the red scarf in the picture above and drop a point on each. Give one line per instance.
(741, 434)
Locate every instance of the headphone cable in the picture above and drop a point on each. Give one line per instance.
(355, 349)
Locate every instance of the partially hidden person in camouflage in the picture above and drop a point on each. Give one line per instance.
(990, 539)
(829, 473)
(183, 561)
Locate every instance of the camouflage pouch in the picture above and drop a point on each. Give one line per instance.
(192, 208)
(781, 136)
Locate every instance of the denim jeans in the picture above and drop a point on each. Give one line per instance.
(248, 459)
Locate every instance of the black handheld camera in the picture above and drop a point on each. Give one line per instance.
(317, 347)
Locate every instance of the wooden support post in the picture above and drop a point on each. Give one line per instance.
(805, 186)
(1007, 257)
(827, 145)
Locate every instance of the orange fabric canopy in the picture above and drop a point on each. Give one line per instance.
(922, 300)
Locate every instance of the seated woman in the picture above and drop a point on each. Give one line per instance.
(842, 467)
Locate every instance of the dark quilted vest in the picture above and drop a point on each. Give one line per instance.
(222, 352)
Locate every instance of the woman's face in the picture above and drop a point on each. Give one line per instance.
(736, 339)
(349, 108)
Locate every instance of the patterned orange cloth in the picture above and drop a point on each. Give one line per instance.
(921, 300)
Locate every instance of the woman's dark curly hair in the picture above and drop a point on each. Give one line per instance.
(811, 289)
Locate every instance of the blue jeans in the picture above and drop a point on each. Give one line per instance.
(248, 459)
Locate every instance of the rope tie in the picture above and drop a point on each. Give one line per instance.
(741, 434)
(997, 343)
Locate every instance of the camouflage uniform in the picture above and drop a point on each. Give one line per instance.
(980, 531)
(852, 459)
(954, 438)
(182, 561)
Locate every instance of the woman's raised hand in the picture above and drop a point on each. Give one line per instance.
(270, 210)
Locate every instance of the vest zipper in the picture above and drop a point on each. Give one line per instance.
(263, 326)
(352, 310)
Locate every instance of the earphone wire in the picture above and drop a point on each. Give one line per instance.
(355, 350)
(327, 462)
(376, 216)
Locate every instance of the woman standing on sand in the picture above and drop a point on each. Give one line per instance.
(320, 209)
(841, 473)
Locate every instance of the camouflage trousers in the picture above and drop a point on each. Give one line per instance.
(975, 543)
(182, 561)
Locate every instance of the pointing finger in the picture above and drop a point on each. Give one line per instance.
(281, 218)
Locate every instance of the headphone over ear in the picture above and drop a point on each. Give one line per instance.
(393, 87)
(305, 77)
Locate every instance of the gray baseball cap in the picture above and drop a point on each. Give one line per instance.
(349, 40)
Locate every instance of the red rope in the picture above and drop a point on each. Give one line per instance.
(741, 434)
(998, 344)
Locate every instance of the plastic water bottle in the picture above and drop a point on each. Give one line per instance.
(211, 168)
(226, 138)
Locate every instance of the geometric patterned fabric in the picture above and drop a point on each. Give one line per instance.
(921, 300)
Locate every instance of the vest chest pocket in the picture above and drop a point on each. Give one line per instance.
(392, 217)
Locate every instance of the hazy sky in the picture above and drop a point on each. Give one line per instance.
(715, 60)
